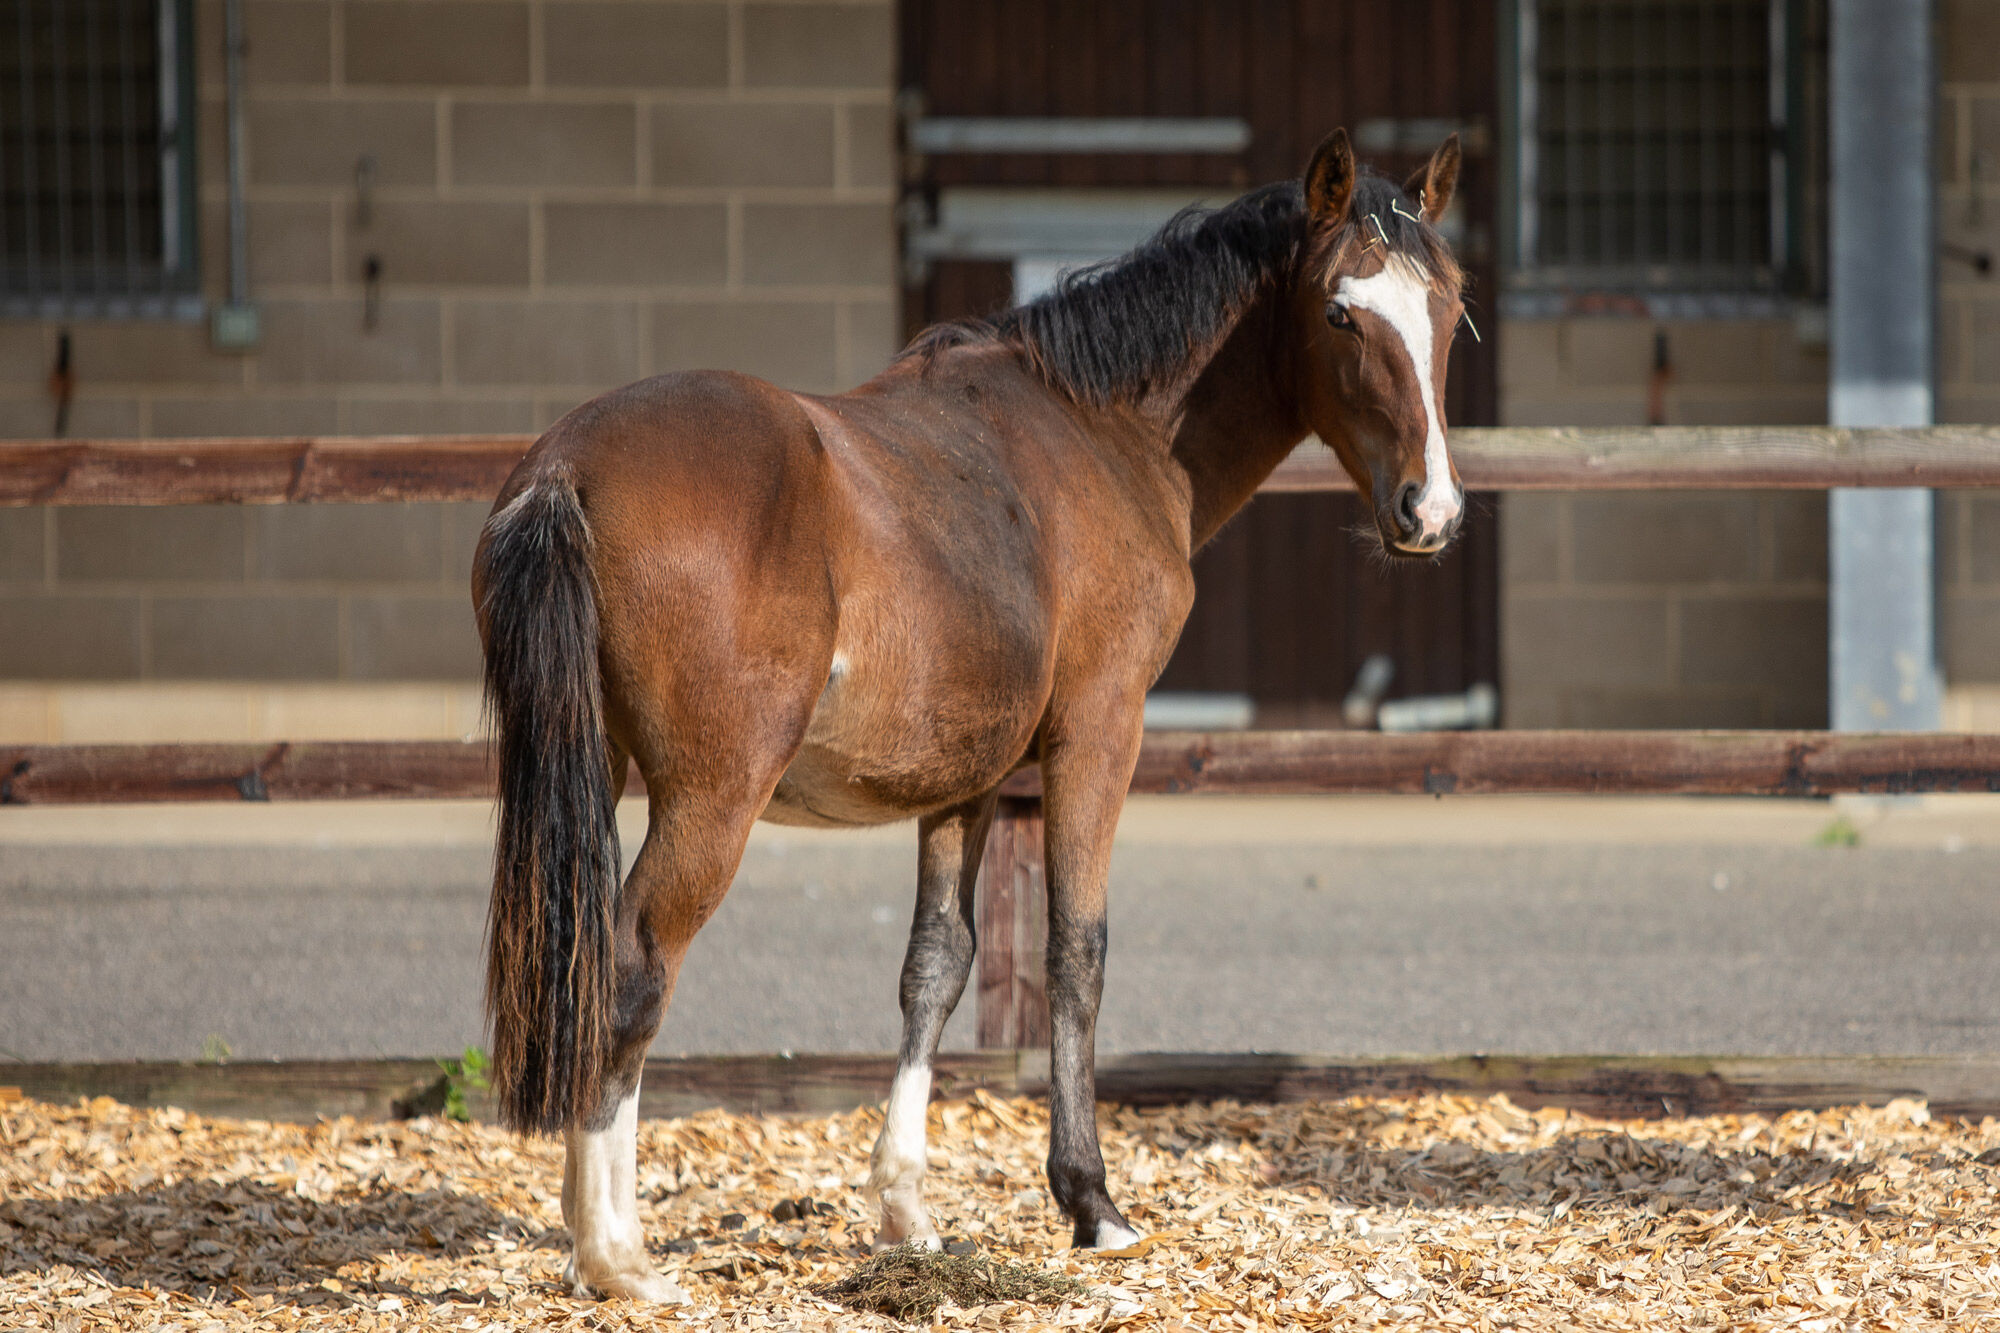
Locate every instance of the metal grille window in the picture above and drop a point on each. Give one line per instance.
(97, 199)
(1660, 152)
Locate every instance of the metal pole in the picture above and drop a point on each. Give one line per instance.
(234, 324)
(1883, 672)
(239, 252)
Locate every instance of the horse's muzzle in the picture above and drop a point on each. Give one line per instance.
(1422, 520)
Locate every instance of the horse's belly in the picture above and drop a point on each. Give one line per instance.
(874, 756)
(818, 791)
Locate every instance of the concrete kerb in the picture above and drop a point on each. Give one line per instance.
(1935, 822)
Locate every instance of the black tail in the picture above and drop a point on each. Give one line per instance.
(549, 967)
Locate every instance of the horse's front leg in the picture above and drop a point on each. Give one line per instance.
(1087, 766)
(935, 967)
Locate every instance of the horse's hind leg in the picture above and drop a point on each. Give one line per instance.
(600, 1168)
(690, 855)
(934, 971)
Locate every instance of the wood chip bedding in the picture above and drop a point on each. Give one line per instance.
(1433, 1212)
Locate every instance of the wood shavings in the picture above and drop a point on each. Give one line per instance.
(1435, 1212)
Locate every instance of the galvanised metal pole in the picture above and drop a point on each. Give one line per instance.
(233, 325)
(239, 250)
(1883, 672)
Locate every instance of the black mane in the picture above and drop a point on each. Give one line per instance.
(1116, 331)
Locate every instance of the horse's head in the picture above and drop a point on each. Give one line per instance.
(1374, 318)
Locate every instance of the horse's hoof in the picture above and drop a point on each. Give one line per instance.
(1112, 1236)
(635, 1287)
(926, 1239)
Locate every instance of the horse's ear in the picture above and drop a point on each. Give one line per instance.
(1330, 179)
(1434, 182)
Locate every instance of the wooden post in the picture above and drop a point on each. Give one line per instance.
(1013, 930)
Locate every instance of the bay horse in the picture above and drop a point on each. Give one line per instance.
(861, 608)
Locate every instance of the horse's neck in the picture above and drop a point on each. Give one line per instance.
(1236, 422)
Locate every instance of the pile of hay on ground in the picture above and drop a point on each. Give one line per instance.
(1435, 1212)
(911, 1283)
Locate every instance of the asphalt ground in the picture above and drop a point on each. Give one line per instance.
(1331, 926)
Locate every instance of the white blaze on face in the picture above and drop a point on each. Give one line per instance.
(1400, 295)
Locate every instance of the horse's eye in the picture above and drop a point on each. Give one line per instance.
(1337, 316)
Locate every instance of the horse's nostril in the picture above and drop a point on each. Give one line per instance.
(1406, 507)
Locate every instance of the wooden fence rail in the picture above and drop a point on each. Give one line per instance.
(377, 468)
(1684, 763)
(1603, 1085)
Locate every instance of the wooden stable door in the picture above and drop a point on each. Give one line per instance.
(1294, 594)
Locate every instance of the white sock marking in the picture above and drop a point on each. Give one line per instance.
(1111, 1236)
(1400, 294)
(896, 1169)
(903, 1124)
(603, 1197)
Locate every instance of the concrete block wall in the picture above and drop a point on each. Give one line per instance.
(239, 593)
(1667, 609)
(1664, 609)
(1595, 372)
(563, 196)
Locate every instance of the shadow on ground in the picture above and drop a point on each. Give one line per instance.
(1580, 1172)
(206, 1238)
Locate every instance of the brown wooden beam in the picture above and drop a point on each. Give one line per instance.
(269, 771)
(1713, 763)
(334, 468)
(257, 771)
(1013, 930)
(1707, 763)
(398, 1089)
(1643, 1086)
(257, 471)
(1503, 458)
(1640, 1086)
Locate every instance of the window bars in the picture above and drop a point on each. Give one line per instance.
(97, 186)
(1661, 152)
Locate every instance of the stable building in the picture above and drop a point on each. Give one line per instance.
(466, 216)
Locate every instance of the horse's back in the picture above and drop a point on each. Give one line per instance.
(690, 439)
